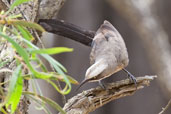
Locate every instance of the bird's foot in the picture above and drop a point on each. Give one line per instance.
(102, 85)
(131, 77)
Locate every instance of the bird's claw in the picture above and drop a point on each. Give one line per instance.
(102, 85)
(131, 77)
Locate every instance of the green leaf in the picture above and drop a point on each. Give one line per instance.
(55, 64)
(72, 80)
(41, 65)
(54, 76)
(20, 50)
(41, 75)
(14, 16)
(15, 90)
(51, 51)
(26, 24)
(25, 33)
(39, 102)
(16, 3)
(25, 57)
(3, 111)
(57, 88)
(46, 100)
(47, 57)
(23, 23)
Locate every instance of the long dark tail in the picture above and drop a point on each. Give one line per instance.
(68, 30)
(82, 83)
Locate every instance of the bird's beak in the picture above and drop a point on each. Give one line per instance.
(82, 83)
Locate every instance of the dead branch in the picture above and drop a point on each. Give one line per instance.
(165, 108)
(90, 100)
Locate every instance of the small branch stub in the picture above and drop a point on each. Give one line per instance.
(90, 100)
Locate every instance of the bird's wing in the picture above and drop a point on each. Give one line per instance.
(97, 68)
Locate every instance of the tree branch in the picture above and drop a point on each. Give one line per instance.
(166, 107)
(90, 100)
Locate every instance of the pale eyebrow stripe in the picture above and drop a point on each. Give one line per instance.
(108, 28)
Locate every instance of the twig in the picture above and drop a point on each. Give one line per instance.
(165, 108)
(90, 100)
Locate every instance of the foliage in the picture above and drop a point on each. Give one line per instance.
(16, 32)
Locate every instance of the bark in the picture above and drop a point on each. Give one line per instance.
(90, 100)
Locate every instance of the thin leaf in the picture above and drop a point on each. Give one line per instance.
(25, 33)
(47, 57)
(72, 80)
(27, 24)
(53, 63)
(41, 75)
(15, 90)
(14, 16)
(23, 23)
(20, 50)
(25, 57)
(46, 100)
(64, 91)
(65, 77)
(54, 76)
(39, 102)
(51, 51)
(42, 66)
(3, 111)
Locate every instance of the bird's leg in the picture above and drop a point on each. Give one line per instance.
(101, 84)
(131, 77)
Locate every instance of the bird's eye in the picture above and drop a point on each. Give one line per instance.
(108, 35)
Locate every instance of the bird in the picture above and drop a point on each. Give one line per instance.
(108, 55)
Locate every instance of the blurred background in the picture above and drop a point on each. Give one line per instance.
(146, 29)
